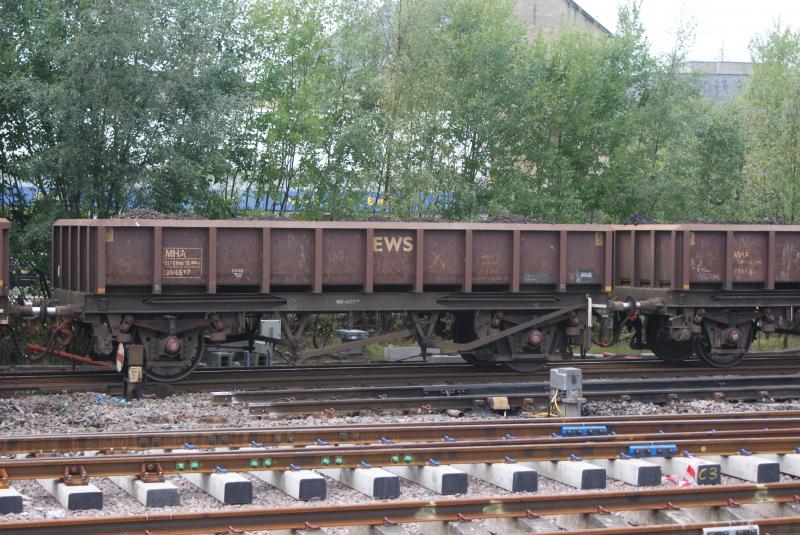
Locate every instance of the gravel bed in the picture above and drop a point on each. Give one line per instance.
(87, 412)
(620, 408)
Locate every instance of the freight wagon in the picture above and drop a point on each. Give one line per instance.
(707, 289)
(516, 294)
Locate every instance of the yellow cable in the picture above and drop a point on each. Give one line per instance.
(552, 409)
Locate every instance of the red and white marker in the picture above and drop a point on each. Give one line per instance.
(120, 357)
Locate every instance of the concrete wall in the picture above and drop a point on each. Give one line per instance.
(546, 17)
(719, 80)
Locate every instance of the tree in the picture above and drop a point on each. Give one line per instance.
(127, 102)
(442, 103)
(290, 55)
(344, 108)
(772, 108)
(576, 119)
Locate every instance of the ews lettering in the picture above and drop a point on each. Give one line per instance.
(392, 244)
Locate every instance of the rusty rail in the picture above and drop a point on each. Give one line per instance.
(415, 454)
(27, 380)
(520, 395)
(593, 388)
(379, 513)
(618, 429)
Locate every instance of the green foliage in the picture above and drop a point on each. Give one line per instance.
(772, 104)
(31, 242)
(114, 103)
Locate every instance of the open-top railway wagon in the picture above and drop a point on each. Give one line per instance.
(707, 289)
(517, 295)
(515, 292)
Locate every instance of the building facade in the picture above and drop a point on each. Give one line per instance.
(719, 80)
(546, 17)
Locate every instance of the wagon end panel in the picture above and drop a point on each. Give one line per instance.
(623, 253)
(586, 266)
(786, 269)
(539, 259)
(645, 258)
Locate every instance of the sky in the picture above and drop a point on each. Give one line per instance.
(720, 29)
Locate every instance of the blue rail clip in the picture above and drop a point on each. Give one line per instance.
(583, 430)
(652, 450)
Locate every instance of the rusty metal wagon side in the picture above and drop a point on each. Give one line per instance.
(515, 290)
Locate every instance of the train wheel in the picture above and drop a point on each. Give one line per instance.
(729, 359)
(666, 350)
(163, 369)
(463, 331)
(473, 359)
(524, 366)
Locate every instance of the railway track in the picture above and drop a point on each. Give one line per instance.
(754, 387)
(781, 442)
(458, 510)
(31, 380)
(729, 426)
(523, 395)
(698, 438)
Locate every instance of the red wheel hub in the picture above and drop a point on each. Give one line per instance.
(172, 345)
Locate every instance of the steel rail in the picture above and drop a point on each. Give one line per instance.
(617, 430)
(375, 455)
(590, 388)
(631, 390)
(755, 359)
(26, 380)
(378, 513)
(368, 432)
(14, 384)
(789, 525)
